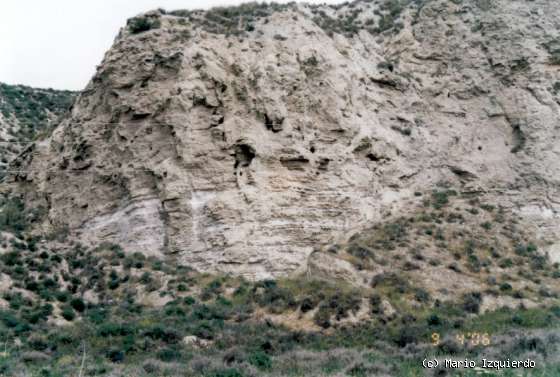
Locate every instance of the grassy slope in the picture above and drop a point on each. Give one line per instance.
(131, 313)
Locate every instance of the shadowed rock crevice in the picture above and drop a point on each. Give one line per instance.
(273, 123)
(244, 155)
(519, 138)
(295, 163)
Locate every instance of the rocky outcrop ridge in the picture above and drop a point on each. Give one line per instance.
(244, 145)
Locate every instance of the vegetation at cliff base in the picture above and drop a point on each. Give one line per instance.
(105, 311)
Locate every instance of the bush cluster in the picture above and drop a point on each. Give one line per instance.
(232, 20)
(31, 107)
(143, 23)
(12, 215)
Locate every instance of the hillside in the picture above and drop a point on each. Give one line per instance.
(294, 190)
(25, 112)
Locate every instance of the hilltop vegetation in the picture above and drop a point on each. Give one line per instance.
(346, 18)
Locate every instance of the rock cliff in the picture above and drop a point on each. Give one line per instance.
(243, 139)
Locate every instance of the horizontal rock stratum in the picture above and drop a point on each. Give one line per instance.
(241, 139)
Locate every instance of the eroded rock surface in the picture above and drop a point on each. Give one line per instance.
(244, 153)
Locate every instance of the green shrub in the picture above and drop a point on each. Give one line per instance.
(115, 329)
(227, 373)
(142, 23)
(62, 296)
(434, 320)
(68, 313)
(505, 287)
(555, 57)
(172, 309)
(473, 263)
(376, 304)
(276, 298)
(8, 319)
(392, 280)
(322, 317)
(538, 261)
(159, 332)
(506, 263)
(471, 302)
(358, 370)
(260, 360)
(17, 300)
(359, 251)
(205, 329)
(11, 258)
(205, 312)
(308, 303)
(115, 355)
(213, 288)
(12, 215)
(98, 315)
(78, 304)
(168, 354)
(5, 367)
(441, 198)
(488, 207)
(38, 343)
(347, 24)
(336, 304)
(408, 334)
(486, 225)
(421, 295)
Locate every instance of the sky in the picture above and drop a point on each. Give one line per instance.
(58, 43)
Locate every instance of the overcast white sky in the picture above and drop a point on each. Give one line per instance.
(58, 43)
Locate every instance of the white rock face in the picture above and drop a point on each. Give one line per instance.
(243, 154)
(139, 225)
(196, 342)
